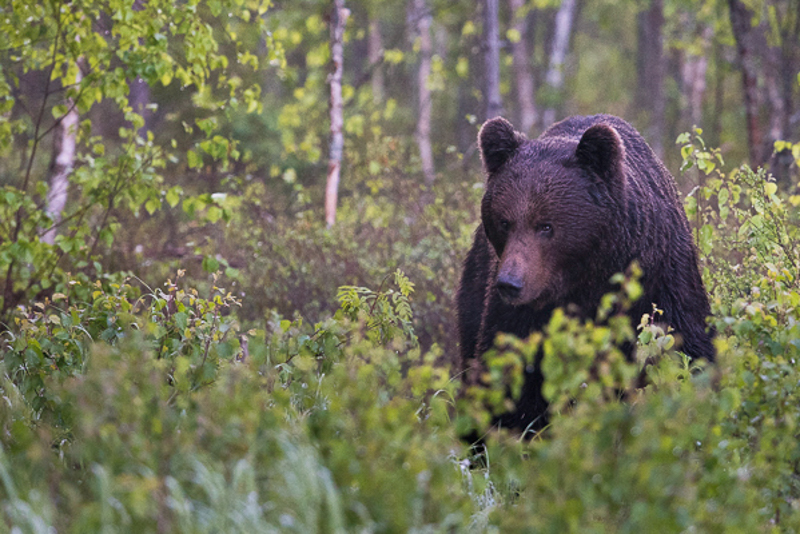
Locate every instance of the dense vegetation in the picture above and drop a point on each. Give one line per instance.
(188, 347)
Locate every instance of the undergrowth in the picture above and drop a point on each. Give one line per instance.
(131, 408)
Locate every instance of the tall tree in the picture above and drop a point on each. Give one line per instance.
(491, 33)
(421, 18)
(768, 58)
(139, 90)
(694, 71)
(523, 75)
(140, 99)
(338, 19)
(375, 56)
(161, 42)
(650, 72)
(562, 33)
(62, 161)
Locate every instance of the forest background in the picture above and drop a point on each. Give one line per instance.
(246, 219)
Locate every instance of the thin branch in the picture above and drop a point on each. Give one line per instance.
(59, 120)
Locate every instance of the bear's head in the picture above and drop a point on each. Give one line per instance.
(550, 210)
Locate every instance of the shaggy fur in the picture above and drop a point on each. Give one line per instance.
(561, 215)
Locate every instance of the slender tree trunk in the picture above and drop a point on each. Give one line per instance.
(64, 144)
(139, 98)
(694, 70)
(465, 132)
(422, 17)
(694, 81)
(565, 19)
(375, 56)
(650, 69)
(760, 67)
(719, 96)
(337, 23)
(491, 33)
(748, 58)
(139, 90)
(523, 76)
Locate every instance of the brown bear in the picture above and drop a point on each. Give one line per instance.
(560, 216)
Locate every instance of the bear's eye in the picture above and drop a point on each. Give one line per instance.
(505, 225)
(546, 229)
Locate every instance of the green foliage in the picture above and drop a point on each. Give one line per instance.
(52, 341)
(85, 54)
(750, 239)
(312, 393)
(271, 443)
(293, 264)
(388, 313)
(345, 424)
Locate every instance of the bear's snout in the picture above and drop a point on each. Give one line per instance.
(509, 286)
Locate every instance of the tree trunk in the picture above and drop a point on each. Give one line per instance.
(139, 98)
(715, 132)
(375, 56)
(523, 75)
(337, 23)
(491, 33)
(64, 144)
(761, 65)
(565, 19)
(748, 58)
(139, 90)
(650, 70)
(422, 18)
(693, 73)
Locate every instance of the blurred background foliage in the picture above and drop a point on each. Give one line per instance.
(188, 347)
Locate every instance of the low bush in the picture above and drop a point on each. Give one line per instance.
(162, 410)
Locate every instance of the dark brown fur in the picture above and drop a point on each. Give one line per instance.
(561, 215)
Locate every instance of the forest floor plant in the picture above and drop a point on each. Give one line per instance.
(127, 407)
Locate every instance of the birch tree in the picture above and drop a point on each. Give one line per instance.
(565, 18)
(523, 76)
(63, 159)
(421, 23)
(47, 41)
(650, 72)
(338, 20)
(491, 32)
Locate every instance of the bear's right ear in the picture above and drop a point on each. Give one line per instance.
(498, 141)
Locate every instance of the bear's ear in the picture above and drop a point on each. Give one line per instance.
(498, 141)
(601, 151)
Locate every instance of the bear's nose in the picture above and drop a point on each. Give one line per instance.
(509, 286)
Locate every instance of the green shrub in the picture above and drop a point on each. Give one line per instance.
(52, 340)
(321, 428)
(129, 408)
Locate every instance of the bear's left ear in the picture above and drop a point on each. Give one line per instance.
(601, 151)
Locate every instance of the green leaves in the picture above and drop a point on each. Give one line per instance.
(132, 408)
(85, 63)
(387, 313)
(695, 153)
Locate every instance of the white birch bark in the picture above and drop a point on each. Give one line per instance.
(565, 17)
(61, 164)
(422, 16)
(491, 32)
(523, 76)
(337, 23)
